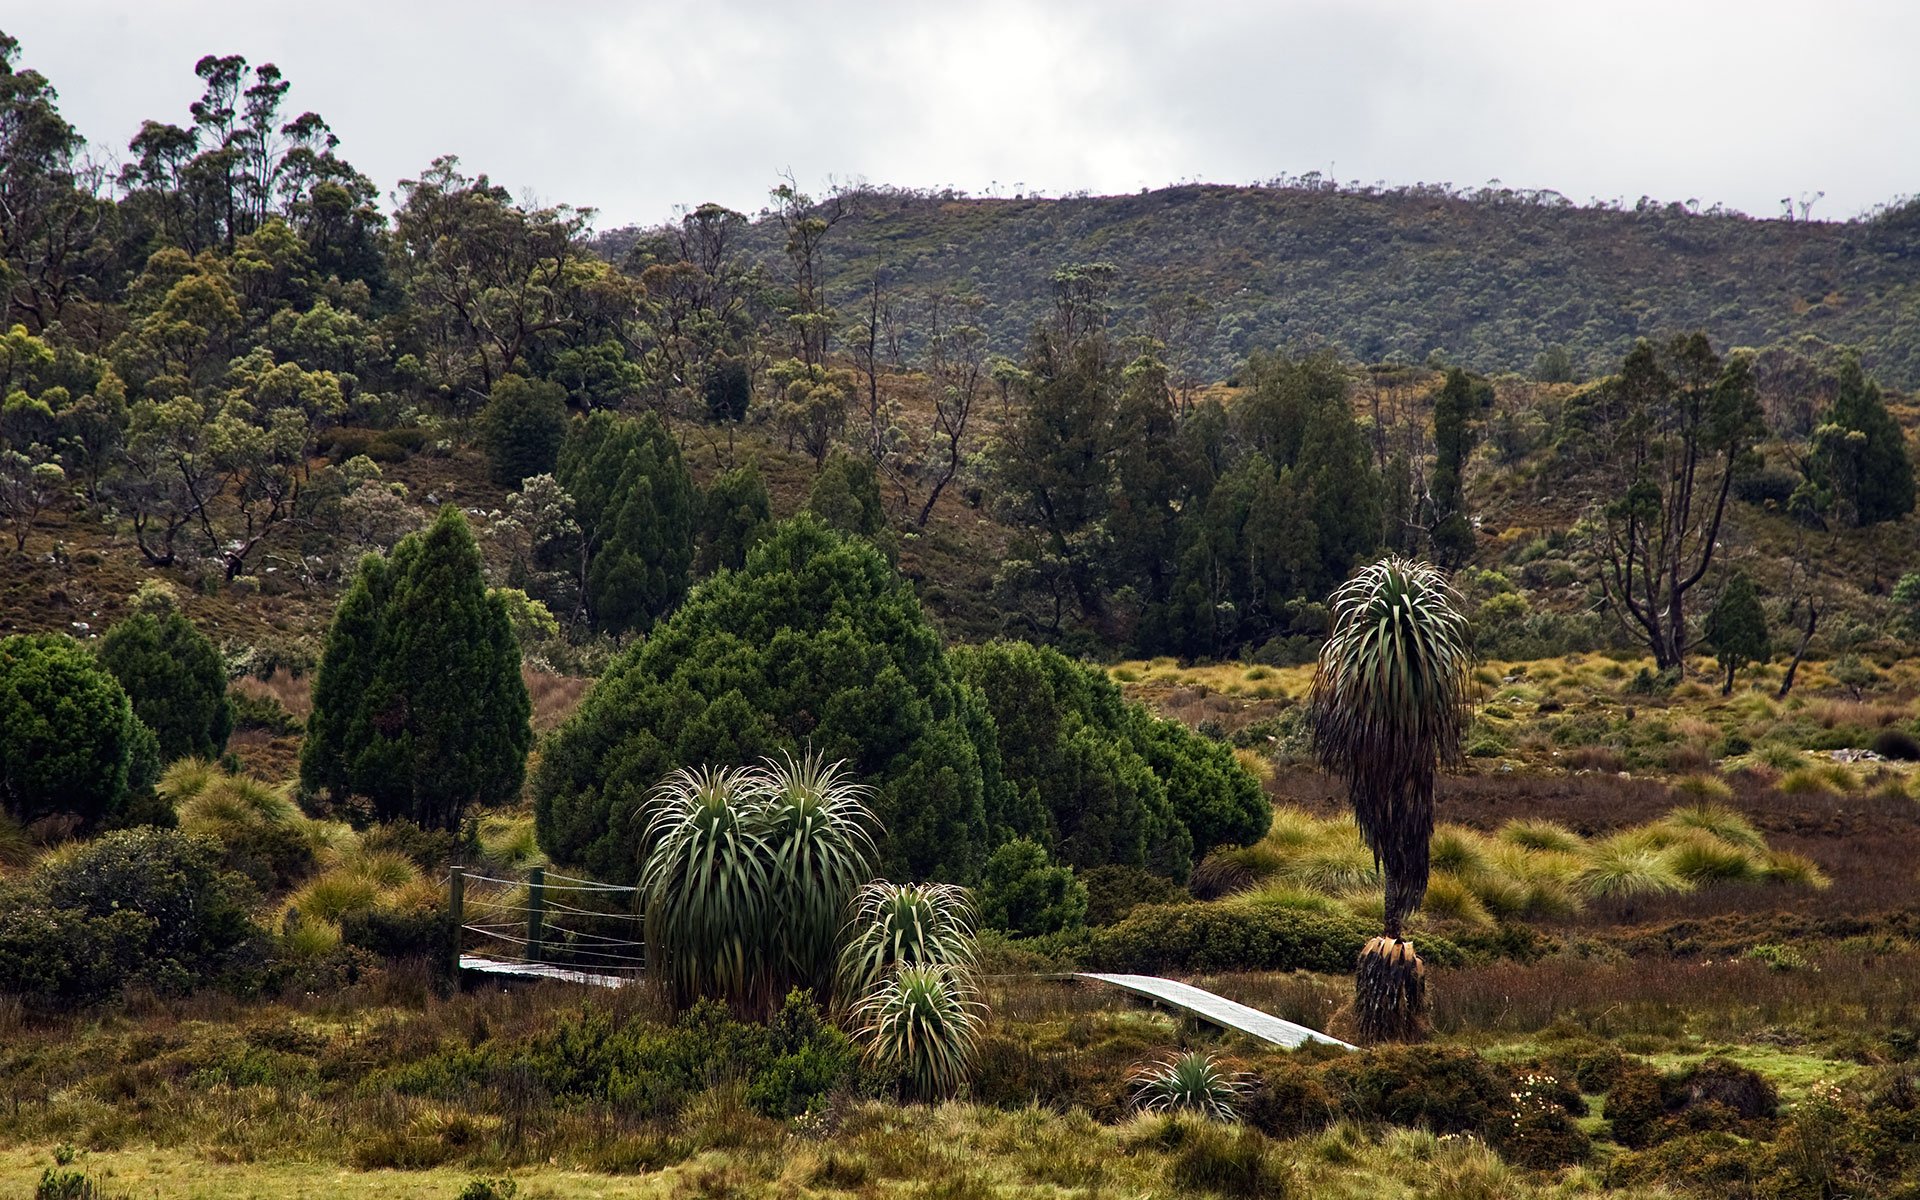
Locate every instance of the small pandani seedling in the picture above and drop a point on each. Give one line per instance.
(1189, 1083)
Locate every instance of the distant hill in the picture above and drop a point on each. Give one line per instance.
(1492, 278)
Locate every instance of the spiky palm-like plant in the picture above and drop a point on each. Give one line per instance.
(705, 887)
(922, 1023)
(906, 925)
(1388, 705)
(820, 841)
(1191, 1082)
(747, 875)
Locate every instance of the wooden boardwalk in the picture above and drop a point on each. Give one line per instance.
(1214, 1009)
(1218, 1010)
(527, 970)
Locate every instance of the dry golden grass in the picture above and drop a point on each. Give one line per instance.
(295, 694)
(554, 697)
(1861, 714)
(1529, 869)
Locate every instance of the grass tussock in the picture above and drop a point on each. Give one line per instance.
(16, 848)
(1528, 869)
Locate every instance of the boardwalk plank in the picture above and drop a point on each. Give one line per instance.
(1218, 1010)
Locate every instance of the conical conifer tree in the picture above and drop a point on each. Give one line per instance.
(419, 705)
(635, 503)
(175, 678)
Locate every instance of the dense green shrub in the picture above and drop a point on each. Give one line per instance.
(1721, 1081)
(1156, 939)
(273, 856)
(1527, 1116)
(400, 932)
(1115, 891)
(1217, 799)
(735, 512)
(1593, 1066)
(69, 741)
(1290, 1100)
(1023, 893)
(817, 643)
(175, 679)
(521, 428)
(1897, 744)
(634, 503)
(148, 907)
(263, 712)
(647, 1070)
(419, 704)
(1712, 1163)
(1645, 1106)
(1100, 780)
(1863, 1140)
(1447, 1089)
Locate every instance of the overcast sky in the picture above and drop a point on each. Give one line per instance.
(638, 107)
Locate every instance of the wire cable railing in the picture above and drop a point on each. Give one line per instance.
(520, 927)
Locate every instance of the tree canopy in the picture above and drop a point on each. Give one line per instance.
(419, 705)
(175, 679)
(1860, 457)
(1737, 627)
(816, 644)
(69, 740)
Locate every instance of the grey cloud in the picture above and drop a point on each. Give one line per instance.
(636, 108)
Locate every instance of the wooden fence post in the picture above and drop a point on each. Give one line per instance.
(536, 911)
(457, 906)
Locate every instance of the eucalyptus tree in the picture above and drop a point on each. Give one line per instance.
(1859, 454)
(1387, 706)
(52, 206)
(1661, 439)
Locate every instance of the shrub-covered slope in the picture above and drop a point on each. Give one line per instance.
(1494, 277)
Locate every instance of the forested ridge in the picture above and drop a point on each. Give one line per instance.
(1492, 276)
(1165, 423)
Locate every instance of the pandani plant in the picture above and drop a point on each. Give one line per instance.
(704, 887)
(751, 882)
(910, 957)
(906, 925)
(922, 1024)
(1388, 706)
(1192, 1082)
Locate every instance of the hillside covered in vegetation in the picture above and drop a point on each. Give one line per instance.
(1492, 278)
